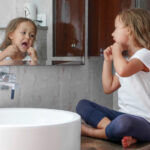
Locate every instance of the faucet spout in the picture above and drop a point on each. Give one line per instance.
(12, 85)
(13, 91)
(9, 80)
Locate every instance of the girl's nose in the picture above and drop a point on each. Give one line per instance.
(27, 36)
(112, 34)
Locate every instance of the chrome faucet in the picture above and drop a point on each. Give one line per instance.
(8, 80)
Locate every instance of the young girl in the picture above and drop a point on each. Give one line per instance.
(132, 79)
(18, 42)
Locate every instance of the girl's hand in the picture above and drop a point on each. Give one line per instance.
(33, 54)
(12, 51)
(108, 54)
(116, 47)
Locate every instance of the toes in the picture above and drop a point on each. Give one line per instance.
(127, 141)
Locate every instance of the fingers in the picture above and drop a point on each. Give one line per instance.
(112, 50)
(117, 47)
(31, 51)
(33, 54)
(108, 51)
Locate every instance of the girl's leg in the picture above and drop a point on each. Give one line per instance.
(128, 128)
(125, 127)
(98, 117)
(93, 113)
(98, 132)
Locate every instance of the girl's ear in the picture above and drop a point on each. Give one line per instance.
(129, 31)
(10, 35)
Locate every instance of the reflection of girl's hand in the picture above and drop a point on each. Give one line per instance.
(33, 54)
(108, 54)
(12, 51)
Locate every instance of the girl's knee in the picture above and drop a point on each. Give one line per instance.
(120, 127)
(126, 121)
(81, 105)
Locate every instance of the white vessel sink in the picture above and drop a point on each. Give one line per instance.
(39, 129)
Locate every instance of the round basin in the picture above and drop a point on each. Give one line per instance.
(39, 129)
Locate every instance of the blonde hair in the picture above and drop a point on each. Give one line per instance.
(11, 27)
(138, 20)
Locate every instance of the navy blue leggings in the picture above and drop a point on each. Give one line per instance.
(121, 125)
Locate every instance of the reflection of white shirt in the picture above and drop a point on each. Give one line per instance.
(27, 58)
(134, 93)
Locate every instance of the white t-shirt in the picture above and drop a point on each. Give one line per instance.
(134, 93)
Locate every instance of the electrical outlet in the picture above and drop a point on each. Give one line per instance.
(41, 18)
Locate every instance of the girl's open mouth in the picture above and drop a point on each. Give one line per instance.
(24, 44)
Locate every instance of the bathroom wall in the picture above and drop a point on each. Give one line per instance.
(58, 87)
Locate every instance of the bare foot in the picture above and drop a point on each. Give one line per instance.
(85, 129)
(128, 141)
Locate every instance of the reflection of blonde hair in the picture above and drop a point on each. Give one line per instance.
(138, 20)
(11, 27)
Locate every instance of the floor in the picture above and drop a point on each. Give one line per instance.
(97, 144)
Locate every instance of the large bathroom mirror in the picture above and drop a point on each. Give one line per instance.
(61, 40)
(62, 37)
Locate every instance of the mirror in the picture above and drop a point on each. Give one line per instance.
(61, 41)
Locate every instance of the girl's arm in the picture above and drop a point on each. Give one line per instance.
(6, 62)
(3, 55)
(11, 62)
(110, 82)
(11, 52)
(123, 67)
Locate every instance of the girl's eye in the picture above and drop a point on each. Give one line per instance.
(23, 32)
(32, 36)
